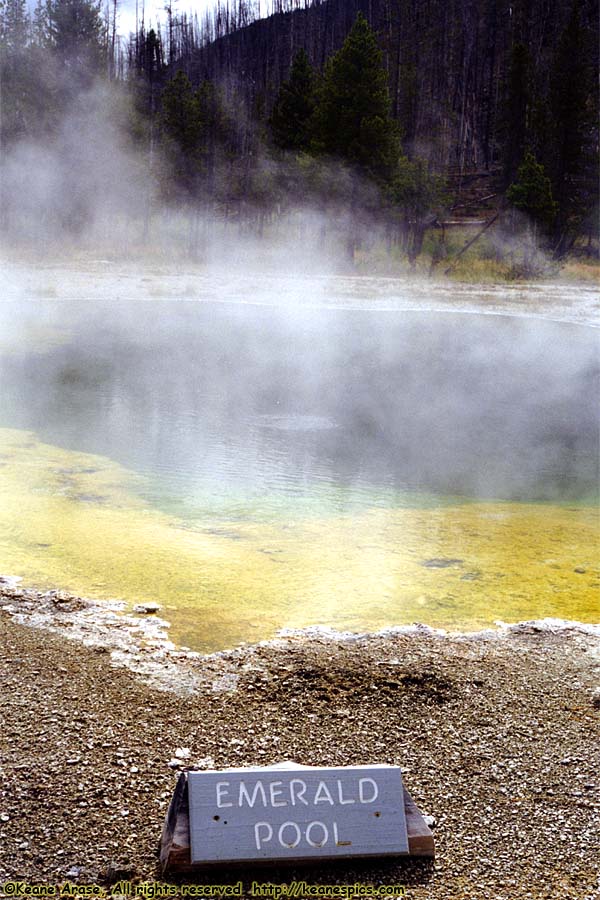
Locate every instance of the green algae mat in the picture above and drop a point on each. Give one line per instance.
(79, 521)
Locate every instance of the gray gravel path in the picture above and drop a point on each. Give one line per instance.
(497, 736)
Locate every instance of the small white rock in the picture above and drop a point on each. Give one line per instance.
(10, 580)
(183, 753)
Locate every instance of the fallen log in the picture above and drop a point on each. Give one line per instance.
(471, 242)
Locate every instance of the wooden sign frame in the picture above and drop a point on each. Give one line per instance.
(175, 846)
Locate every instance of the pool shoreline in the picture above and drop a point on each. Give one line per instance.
(90, 280)
(140, 642)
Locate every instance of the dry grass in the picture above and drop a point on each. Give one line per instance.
(476, 270)
(587, 270)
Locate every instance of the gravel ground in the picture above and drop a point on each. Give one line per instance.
(497, 735)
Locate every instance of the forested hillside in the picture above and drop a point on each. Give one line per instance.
(402, 113)
(449, 64)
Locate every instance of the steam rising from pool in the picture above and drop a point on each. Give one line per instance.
(288, 460)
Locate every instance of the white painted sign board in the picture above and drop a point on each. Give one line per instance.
(304, 813)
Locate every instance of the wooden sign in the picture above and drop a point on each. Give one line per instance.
(251, 815)
(290, 813)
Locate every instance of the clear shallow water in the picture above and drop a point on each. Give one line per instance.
(259, 467)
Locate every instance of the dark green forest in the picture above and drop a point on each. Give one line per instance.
(398, 118)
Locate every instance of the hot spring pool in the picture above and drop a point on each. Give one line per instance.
(254, 467)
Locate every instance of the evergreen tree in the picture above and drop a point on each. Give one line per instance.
(294, 107)
(352, 120)
(146, 66)
(517, 110)
(77, 38)
(531, 193)
(572, 159)
(40, 24)
(216, 133)
(414, 194)
(181, 113)
(14, 25)
(25, 76)
(182, 126)
(149, 59)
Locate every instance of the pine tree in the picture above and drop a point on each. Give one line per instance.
(290, 121)
(531, 193)
(517, 110)
(352, 120)
(145, 71)
(76, 36)
(14, 70)
(572, 152)
(414, 194)
(182, 126)
(40, 24)
(14, 25)
(181, 113)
